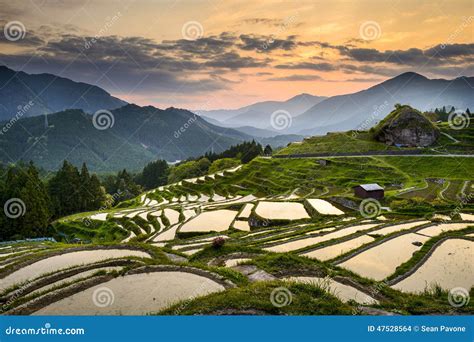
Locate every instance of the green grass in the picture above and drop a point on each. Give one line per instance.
(94, 231)
(359, 142)
(271, 177)
(256, 298)
(433, 167)
(340, 142)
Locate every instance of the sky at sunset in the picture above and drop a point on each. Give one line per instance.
(226, 54)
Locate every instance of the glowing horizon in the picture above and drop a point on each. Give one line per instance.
(228, 54)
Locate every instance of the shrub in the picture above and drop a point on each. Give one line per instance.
(218, 242)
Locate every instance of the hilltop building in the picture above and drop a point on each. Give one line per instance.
(369, 191)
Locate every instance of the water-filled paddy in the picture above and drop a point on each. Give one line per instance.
(245, 213)
(298, 244)
(398, 227)
(324, 207)
(136, 294)
(441, 228)
(333, 251)
(344, 292)
(451, 265)
(99, 217)
(66, 260)
(76, 277)
(381, 261)
(172, 215)
(281, 210)
(242, 225)
(210, 221)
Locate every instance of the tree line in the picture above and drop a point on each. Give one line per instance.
(33, 198)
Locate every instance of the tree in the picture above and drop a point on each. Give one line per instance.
(26, 204)
(468, 112)
(92, 195)
(37, 203)
(64, 190)
(189, 169)
(125, 188)
(222, 164)
(85, 196)
(245, 151)
(154, 174)
(98, 194)
(268, 150)
(252, 150)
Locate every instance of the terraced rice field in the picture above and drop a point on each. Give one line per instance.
(451, 265)
(286, 238)
(467, 217)
(441, 228)
(338, 249)
(281, 211)
(210, 221)
(342, 291)
(246, 211)
(429, 192)
(156, 291)
(77, 277)
(324, 207)
(242, 225)
(398, 227)
(302, 243)
(59, 262)
(381, 261)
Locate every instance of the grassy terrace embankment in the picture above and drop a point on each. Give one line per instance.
(450, 141)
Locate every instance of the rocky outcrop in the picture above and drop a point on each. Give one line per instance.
(406, 127)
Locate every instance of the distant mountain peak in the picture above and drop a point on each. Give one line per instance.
(409, 75)
(259, 114)
(50, 94)
(363, 109)
(300, 95)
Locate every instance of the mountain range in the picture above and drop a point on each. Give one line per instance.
(49, 94)
(317, 115)
(258, 115)
(138, 135)
(141, 134)
(364, 109)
